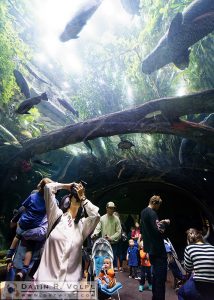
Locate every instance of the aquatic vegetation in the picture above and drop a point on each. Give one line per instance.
(11, 49)
(109, 80)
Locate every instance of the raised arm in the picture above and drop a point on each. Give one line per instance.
(52, 209)
(205, 237)
(92, 220)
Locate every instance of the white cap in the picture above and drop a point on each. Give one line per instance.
(110, 204)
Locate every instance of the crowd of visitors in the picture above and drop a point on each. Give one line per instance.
(49, 244)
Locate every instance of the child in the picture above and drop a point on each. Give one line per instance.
(145, 267)
(107, 276)
(135, 233)
(32, 212)
(132, 258)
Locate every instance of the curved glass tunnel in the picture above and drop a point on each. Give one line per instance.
(186, 193)
(118, 108)
(180, 204)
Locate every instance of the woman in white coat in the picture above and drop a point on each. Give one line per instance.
(62, 255)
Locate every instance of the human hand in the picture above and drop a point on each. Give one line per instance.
(107, 237)
(93, 236)
(71, 185)
(167, 221)
(207, 223)
(9, 266)
(80, 191)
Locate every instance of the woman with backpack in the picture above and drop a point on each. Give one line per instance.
(61, 258)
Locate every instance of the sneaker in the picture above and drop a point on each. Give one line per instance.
(115, 269)
(137, 278)
(130, 276)
(150, 287)
(141, 287)
(121, 270)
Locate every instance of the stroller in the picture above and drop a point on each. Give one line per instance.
(101, 250)
(174, 265)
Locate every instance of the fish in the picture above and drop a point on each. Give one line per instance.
(186, 29)
(42, 162)
(9, 137)
(22, 83)
(131, 6)
(68, 106)
(34, 74)
(26, 105)
(125, 145)
(79, 20)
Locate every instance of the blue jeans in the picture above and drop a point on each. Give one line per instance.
(19, 232)
(159, 272)
(195, 290)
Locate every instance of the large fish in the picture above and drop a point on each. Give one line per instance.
(26, 105)
(68, 106)
(79, 20)
(186, 29)
(131, 6)
(34, 74)
(22, 83)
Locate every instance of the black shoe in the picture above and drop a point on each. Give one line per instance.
(20, 276)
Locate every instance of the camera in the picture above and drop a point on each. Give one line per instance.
(74, 191)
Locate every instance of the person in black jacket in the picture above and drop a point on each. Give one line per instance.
(152, 233)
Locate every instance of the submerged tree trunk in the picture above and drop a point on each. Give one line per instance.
(156, 116)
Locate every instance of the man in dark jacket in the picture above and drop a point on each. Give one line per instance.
(152, 230)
